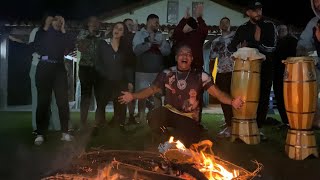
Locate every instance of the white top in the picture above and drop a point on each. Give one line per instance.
(250, 54)
(35, 56)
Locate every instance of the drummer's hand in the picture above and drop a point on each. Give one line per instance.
(237, 102)
(244, 44)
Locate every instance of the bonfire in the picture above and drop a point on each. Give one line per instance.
(175, 161)
(201, 157)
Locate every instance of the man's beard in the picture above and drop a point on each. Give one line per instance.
(256, 19)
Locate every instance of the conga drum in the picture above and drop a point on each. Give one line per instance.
(246, 83)
(300, 98)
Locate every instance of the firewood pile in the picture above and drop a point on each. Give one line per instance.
(173, 162)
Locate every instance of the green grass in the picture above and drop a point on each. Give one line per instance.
(18, 125)
(15, 131)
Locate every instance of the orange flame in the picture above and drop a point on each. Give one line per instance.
(206, 163)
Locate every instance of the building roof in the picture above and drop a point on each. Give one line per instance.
(136, 5)
(125, 9)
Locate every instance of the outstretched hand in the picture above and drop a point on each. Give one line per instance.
(12, 38)
(125, 98)
(237, 103)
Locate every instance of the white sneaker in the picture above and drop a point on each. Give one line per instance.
(39, 140)
(66, 137)
(226, 132)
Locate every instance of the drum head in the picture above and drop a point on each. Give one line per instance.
(246, 53)
(299, 59)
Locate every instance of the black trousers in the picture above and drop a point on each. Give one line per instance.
(278, 92)
(50, 77)
(87, 76)
(223, 82)
(187, 130)
(266, 77)
(108, 90)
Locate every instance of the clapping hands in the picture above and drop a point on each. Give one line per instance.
(199, 10)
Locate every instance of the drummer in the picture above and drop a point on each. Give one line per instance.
(260, 34)
(183, 87)
(309, 41)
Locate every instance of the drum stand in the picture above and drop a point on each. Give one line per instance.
(245, 130)
(300, 144)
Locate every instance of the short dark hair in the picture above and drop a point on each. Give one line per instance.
(44, 17)
(152, 16)
(86, 21)
(180, 46)
(224, 18)
(124, 41)
(127, 19)
(253, 5)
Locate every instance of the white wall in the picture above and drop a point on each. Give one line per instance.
(213, 12)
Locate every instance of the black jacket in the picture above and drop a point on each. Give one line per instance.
(53, 44)
(245, 32)
(110, 65)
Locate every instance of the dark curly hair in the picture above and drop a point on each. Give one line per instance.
(124, 40)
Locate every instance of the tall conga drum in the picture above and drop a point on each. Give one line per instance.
(246, 83)
(300, 98)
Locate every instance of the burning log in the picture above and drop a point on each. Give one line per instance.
(189, 169)
(133, 172)
(210, 166)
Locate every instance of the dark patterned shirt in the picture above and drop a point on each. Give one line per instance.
(87, 45)
(182, 90)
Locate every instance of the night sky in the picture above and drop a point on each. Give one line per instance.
(298, 14)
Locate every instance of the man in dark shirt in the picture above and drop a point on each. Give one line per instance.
(309, 41)
(286, 47)
(183, 87)
(87, 42)
(260, 34)
(192, 33)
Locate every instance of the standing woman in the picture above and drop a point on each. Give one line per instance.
(51, 43)
(54, 115)
(110, 68)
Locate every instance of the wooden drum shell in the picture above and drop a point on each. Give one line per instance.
(300, 94)
(300, 98)
(246, 84)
